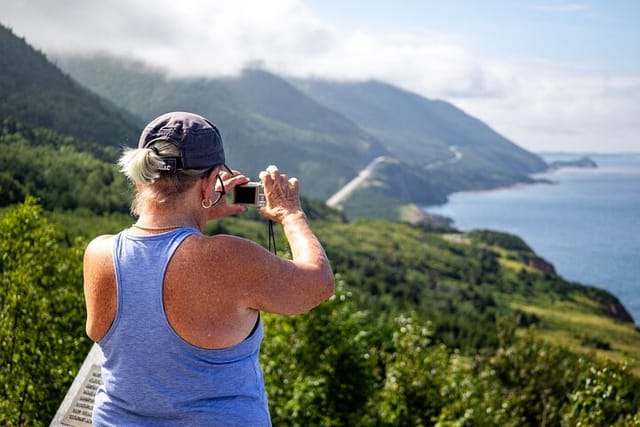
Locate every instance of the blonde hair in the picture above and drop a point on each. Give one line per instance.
(141, 166)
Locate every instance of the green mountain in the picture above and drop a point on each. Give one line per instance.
(35, 92)
(325, 133)
(438, 149)
(434, 135)
(428, 148)
(263, 119)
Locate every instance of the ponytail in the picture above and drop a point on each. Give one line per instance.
(142, 166)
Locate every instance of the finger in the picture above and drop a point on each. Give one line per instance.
(236, 180)
(273, 171)
(266, 178)
(224, 174)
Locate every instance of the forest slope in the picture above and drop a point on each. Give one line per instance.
(35, 92)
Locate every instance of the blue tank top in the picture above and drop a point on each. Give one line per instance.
(153, 377)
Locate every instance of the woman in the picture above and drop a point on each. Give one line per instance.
(177, 313)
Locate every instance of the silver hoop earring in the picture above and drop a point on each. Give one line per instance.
(206, 204)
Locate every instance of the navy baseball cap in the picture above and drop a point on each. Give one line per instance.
(198, 140)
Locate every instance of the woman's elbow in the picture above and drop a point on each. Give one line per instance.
(328, 286)
(320, 282)
(321, 289)
(324, 282)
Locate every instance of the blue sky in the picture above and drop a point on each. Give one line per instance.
(549, 75)
(604, 33)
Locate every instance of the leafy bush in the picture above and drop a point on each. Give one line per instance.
(358, 359)
(319, 367)
(337, 366)
(42, 340)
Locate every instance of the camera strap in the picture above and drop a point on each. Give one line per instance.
(272, 239)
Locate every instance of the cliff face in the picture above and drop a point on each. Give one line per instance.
(616, 310)
(538, 263)
(609, 303)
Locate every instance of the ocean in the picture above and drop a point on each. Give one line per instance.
(587, 222)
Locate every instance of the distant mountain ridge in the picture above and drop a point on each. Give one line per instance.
(432, 147)
(425, 132)
(323, 132)
(263, 119)
(439, 149)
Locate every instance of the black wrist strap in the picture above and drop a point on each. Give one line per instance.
(272, 238)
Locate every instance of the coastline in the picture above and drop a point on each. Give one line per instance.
(599, 253)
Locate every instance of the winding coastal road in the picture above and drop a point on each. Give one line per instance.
(354, 183)
(365, 173)
(457, 155)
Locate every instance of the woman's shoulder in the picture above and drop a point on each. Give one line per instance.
(100, 245)
(223, 246)
(225, 241)
(101, 240)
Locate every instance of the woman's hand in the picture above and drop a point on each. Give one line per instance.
(222, 208)
(281, 195)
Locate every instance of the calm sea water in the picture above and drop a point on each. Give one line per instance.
(587, 223)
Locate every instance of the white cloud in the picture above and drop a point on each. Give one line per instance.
(538, 104)
(187, 36)
(547, 106)
(573, 8)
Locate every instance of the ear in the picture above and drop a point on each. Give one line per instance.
(208, 183)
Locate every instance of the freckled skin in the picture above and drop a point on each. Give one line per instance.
(215, 286)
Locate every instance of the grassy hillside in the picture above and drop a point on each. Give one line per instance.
(463, 284)
(62, 172)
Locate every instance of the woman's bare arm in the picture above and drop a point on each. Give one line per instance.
(297, 285)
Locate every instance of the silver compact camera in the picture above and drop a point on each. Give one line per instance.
(250, 194)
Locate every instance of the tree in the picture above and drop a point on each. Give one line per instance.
(42, 340)
(318, 366)
(416, 371)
